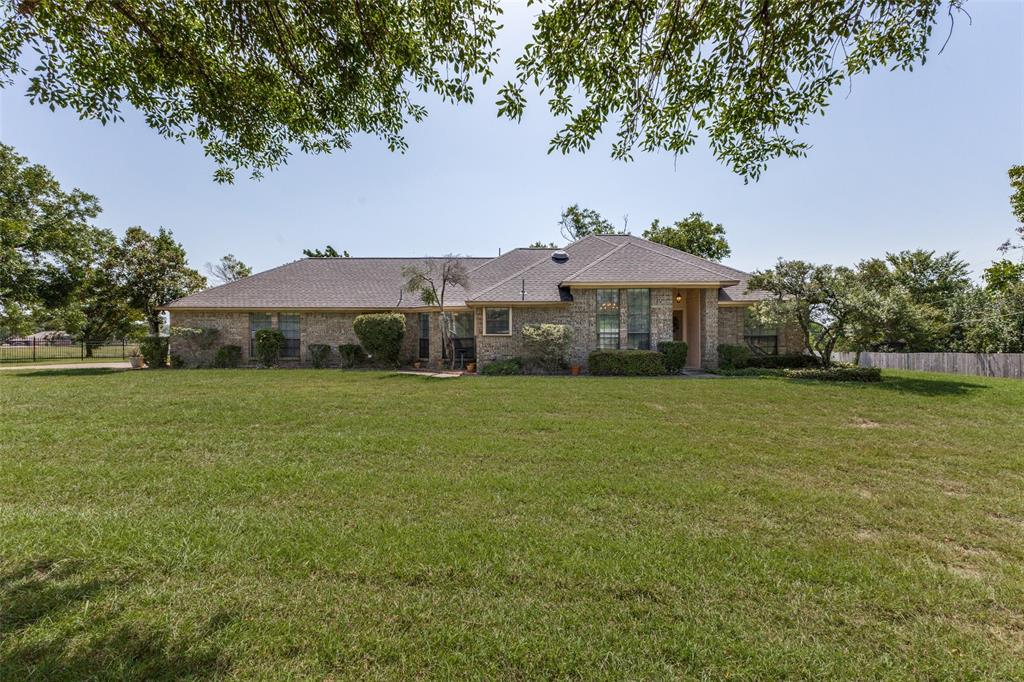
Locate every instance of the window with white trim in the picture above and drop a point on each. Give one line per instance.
(498, 321)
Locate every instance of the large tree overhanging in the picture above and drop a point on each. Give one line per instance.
(251, 78)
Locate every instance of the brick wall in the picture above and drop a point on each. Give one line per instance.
(731, 325)
(709, 328)
(327, 328)
(233, 331)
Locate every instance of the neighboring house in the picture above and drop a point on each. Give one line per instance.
(44, 338)
(615, 291)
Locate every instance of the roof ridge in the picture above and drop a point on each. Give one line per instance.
(697, 260)
(312, 258)
(595, 262)
(515, 274)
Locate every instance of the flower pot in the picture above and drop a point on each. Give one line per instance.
(471, 367)
(575, 370)
(416, 364)
(136, 362)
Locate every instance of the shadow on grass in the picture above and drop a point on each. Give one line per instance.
(929, 386)
(80, 372)
(37, 641)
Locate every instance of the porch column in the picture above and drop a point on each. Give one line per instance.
(709, 328)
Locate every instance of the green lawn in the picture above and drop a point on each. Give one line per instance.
(323, 524)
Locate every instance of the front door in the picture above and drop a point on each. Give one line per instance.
(678, 327)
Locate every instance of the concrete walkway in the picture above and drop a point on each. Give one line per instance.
(67, 365)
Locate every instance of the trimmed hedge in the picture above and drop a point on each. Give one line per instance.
(502, 368)
(352, 354)
(791, 361)
(835, 373)
(154, 350)
(675, 355)
(380, 335)
(228, 357)
(626, 363)
(319, 355)
(269, 343)
(732, 357)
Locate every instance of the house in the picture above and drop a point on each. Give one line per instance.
(614, 291)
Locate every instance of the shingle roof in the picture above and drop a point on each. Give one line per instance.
(374, 283)
(520, 275)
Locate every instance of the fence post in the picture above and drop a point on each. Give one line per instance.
(122, 349)
(33, 349)
(82, 349)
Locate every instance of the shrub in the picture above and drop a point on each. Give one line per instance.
(791, 361)
(228, 357)
(319, 355)
(154, 350)
(268, 346)
(503, 368)
(675, 355)
(732, 357)
(177, 362)
(546, 346)
(381, 336)
(626, 362)
(835, 373)
(351, 354)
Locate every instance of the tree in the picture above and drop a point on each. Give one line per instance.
(928, 278)
(577, 223)
(821, 298)
(1003, 274)
(152, 271)
(693, 235)
(250, 81)
(47, 241)
(542, 245)
(431, 279)
(327, 252)
(228, 269)
(989, 321)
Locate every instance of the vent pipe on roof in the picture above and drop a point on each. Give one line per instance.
(523, 292)
(560, 256)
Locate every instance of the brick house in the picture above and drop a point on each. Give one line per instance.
(615, 291)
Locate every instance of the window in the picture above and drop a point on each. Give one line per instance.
(760, 339)
(498, 321)
(463, 338)
(257, 321)
(289, 326)
(638, 319)
(424, 336)
(607, 318)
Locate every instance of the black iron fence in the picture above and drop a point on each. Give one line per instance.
(61, 350)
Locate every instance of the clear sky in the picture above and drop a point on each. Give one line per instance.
(904, 160)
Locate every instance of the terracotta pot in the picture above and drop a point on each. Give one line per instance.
(575, 369)
(471, 367)
(416, 364)
(136, 362)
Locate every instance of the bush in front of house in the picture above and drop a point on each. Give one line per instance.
(319, 355)
(154, 350)
(380, 335)
(197, 345)
(626, 363)
(269, 343)
(352, 354)
(502, 368)
(789, 361)
(546, 346)
(834, 373)
(675, 355)
(228, 357)
(732, 356)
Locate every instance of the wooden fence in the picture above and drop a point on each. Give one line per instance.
(1008, 365)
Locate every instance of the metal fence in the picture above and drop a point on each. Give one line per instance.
(1007, 365)
(42, 350)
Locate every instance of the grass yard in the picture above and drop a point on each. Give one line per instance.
(323, 524)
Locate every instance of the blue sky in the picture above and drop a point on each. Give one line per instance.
(904, 160)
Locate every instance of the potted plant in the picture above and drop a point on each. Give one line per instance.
(417, 363)
(471, 367)
(574, 369)
(135, 358)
